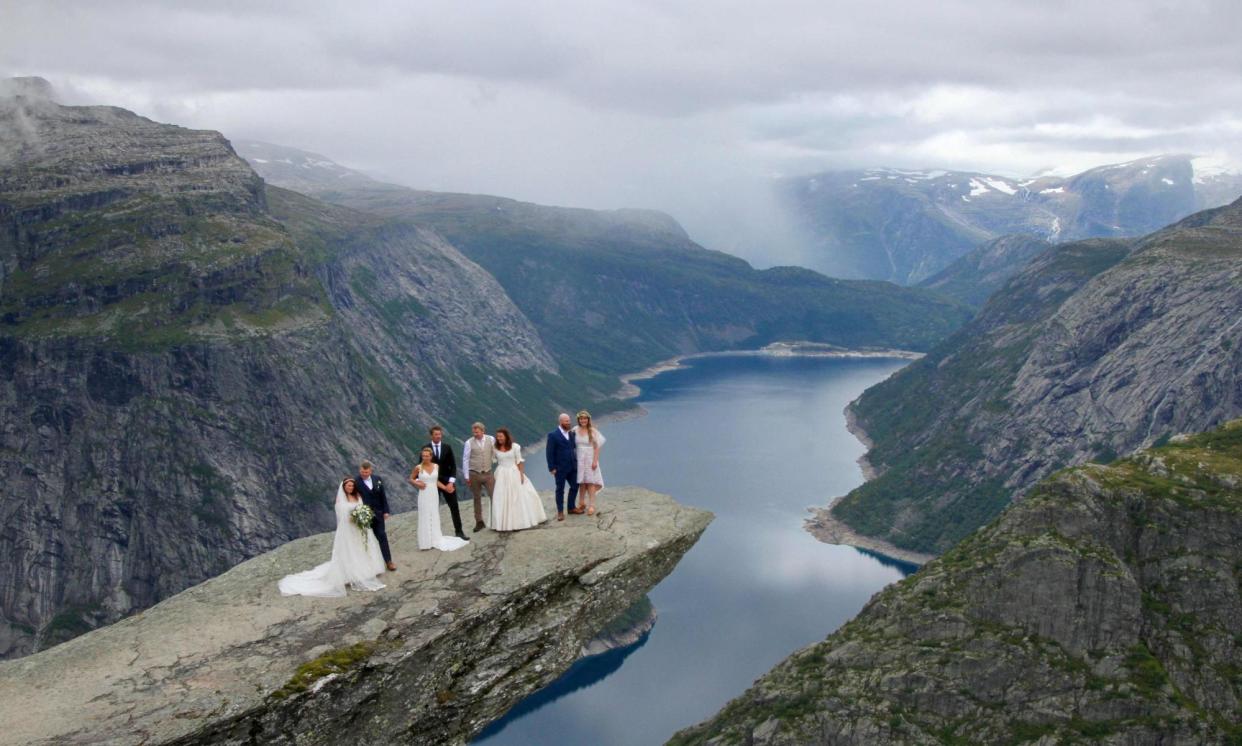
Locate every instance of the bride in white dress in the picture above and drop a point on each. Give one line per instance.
(426, 478)
(515, 501)
(356, 559)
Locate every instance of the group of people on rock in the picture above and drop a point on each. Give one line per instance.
(491, 465)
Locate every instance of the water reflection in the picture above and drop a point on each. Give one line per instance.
(756, 441)
(580, 675)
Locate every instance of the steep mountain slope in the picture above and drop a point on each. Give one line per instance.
(1095, 349)
(189, 360)
(973, 278)
(616, 291)
(905, 226)
(1103, 608)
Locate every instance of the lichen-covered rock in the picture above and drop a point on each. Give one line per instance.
(452, 642)
(1103, 608)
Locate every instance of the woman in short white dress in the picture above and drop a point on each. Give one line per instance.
(515, 501)
(587, 442)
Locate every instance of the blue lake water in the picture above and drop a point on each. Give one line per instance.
(755, 440)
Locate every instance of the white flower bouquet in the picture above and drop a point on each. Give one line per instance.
(362, 517)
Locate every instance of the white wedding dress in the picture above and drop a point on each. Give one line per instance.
(515, 502)
(429, 536)
(356, 560)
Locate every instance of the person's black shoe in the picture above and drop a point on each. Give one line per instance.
(462, 536)
(479, 527)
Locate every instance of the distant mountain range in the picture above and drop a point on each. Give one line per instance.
(615, 290)
(905, 225)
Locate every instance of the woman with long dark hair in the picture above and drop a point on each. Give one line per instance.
(515, 502)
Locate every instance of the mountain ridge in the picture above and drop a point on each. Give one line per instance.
(618, 291)
(906, 225)
(1094, 349)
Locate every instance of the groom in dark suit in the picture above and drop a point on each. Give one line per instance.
(442, 455)
(374, 495)
(563, 464)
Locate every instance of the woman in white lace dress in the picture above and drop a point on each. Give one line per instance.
(515, 501)
(587, 442)
(356, 559)
(426, 479)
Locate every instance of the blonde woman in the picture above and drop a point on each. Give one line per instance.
(588, 441)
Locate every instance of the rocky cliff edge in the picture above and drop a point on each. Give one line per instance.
(451, 643)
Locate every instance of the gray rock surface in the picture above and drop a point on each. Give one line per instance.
(1103, 608)
(189, 359)
(453, 641)
(1095, 349)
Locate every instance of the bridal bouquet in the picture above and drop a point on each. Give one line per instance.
(362, 517)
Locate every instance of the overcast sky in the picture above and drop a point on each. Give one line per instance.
(690, 107)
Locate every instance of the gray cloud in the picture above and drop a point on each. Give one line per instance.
(690, 107)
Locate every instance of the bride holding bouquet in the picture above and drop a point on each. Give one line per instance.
(356, 559)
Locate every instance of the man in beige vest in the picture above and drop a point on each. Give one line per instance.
(477, 458)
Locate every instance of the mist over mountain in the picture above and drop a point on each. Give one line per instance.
(615, 290)
(907, 225)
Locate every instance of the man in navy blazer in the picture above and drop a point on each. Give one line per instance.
(563, 463)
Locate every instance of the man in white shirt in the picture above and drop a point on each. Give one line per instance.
(476, 459)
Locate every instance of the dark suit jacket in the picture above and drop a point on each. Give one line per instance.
(447, 461)
(561, 452)
(377, 497)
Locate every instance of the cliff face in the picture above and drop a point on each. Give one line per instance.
(189, 360)
(452, 642)
(620, 290)
(1093, 350)
(1103, 608)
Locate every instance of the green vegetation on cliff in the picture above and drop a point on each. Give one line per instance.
(1105, 605)
(616, 291)
(1094, 349)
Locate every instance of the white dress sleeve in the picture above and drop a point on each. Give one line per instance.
(517, 454)
(600, 440)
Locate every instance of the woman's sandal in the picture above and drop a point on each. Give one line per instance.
(591, 510)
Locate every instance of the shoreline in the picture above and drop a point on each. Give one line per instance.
(629, 390)
(823, 525)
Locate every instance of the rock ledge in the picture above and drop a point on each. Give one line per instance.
(453, 642)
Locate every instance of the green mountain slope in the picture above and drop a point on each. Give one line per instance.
(1094, 349)
(619, 290)
(190, 360)
(1104, 607)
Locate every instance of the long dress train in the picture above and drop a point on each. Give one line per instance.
(356, 560)
(429, 535)
(515, 502)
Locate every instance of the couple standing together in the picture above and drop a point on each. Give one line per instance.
(494, 464)
(573, 459)
(361, 554)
